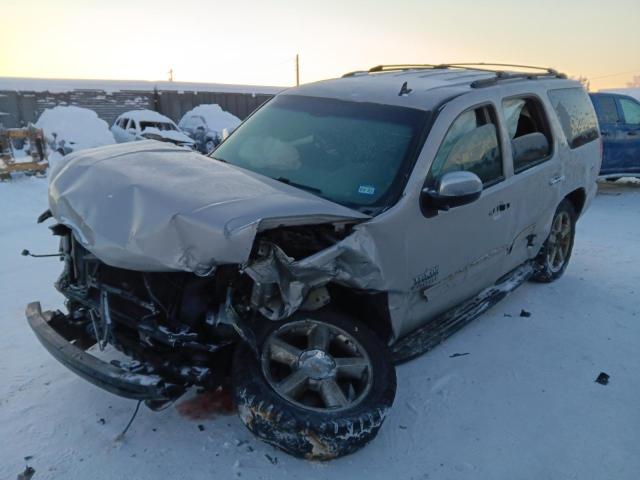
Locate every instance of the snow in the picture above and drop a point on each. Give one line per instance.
(148, 116)
(522, 403)
(56, 85)
(215, 117)
(174, 135)
(79, 127)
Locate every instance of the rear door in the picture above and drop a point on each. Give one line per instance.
(613, 136)
(630, 133)
(537, 173)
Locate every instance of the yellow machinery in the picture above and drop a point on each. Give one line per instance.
(32, 139)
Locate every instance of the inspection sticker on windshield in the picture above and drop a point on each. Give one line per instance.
(367, 189)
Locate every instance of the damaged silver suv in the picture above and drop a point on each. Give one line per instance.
(346, 226)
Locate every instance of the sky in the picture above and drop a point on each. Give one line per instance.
(255, 42)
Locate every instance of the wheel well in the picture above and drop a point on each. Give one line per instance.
(370, 308)
(577, 199)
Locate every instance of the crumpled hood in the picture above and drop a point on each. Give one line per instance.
(151, 206)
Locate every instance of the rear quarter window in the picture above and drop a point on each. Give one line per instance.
(576, 115)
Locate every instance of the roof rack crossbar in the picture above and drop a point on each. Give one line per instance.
(404, 66)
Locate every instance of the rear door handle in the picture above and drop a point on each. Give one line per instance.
(556, 179)
(498, 209)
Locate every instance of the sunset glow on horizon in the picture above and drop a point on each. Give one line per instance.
(252, 42)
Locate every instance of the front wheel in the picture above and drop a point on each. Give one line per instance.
(555, 253)
(209, 146)
(321, 387)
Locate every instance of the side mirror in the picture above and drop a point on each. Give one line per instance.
(453, 189)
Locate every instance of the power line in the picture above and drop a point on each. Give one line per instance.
(633, 72)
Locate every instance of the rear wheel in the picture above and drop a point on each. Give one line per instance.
(554, 255)
(321, 387)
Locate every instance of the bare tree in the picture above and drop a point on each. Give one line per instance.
(635, 82)
(584, 81)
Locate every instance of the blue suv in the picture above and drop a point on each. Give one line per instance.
(619, 118)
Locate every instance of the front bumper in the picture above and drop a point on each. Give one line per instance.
(107, 376)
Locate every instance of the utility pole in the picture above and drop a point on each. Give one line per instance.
(171, 74)
(297, 69)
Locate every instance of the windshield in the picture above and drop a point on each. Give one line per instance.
(162, 126)
(352, 153)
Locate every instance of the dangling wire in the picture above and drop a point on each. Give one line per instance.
(121, 436)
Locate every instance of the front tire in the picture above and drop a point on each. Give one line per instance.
(321, 387)
(555, 253)
(209, 146)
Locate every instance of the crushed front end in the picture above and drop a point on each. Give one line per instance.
(174, 269)
(176, 327)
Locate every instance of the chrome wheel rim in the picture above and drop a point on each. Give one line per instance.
(559, 242)
(316, 366)
(209, 146)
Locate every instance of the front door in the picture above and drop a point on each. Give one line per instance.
(455, 254)
(613, 137)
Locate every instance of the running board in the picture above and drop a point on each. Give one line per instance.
(440, 328)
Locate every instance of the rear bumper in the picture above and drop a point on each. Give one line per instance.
(102, 374)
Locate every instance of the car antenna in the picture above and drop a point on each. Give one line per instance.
(404, 90)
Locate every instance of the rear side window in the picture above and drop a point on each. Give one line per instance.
(471, 145)
(607, 110)
(576, 115)
(528, 130)
(631, 111)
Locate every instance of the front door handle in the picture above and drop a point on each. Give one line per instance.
(556, 179)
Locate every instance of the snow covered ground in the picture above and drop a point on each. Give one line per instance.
(520, 403)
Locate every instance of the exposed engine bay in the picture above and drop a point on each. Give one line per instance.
(182, 326)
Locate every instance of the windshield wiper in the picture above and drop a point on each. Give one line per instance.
(220, 159)
(299, 185)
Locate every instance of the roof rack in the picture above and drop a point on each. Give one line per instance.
(500, 73)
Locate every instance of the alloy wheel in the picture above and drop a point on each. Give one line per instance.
(559, 242)
(316, 366)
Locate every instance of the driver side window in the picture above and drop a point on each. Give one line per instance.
(471, 145)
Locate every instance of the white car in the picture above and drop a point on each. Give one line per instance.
(148, 125)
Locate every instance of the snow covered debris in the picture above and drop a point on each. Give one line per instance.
(79, 128)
